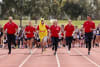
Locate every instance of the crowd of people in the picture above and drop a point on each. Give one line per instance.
(55, 36)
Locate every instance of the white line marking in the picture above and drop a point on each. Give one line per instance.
(97, 65)
(58, 63)
(26, 59)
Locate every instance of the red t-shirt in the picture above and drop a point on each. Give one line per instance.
(55, 31)
(62, 34)
(47, 27)
(31, 30)
(69, 30)
(88, 25)
(11, 27)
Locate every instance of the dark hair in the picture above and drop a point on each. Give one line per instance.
(89, 15)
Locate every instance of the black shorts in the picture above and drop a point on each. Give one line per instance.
(74, 39)
(38, 40)
(25, 39)
(29, 38)
(5, 42)
(69, 39)
(88, 37)
(59, 40)
(54, 39)
(62, 39)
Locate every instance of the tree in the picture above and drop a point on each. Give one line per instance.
(73, 10)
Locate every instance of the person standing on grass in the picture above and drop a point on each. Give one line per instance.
(69, 29)
(11, 28)
(42, 28)
(29, 31)
(55, 29)
(89, 26)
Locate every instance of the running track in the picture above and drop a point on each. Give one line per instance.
(77, 58)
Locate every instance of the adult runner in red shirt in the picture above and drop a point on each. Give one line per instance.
(88, 25)
(29, 30)
(69, 29)
(55, 29)
(11, 28)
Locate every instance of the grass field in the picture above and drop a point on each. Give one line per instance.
(60, 22)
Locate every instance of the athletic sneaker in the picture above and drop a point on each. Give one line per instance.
(63, 45)
(52, 48)
(42, 50)
(88, 53)
(68, 52)
(97, 45)
(9, 52)
(54, 53)
(30, 51)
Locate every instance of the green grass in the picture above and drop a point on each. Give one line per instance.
(60, 22)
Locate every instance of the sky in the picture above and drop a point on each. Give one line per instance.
(0, 0)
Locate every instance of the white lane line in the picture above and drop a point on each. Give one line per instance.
(58, 62)
(97, 65)
(27, 58)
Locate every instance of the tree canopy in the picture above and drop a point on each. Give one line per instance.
(50, 8)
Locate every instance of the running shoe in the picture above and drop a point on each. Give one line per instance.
(30, 51)
(68, 52)
(9, 52)
(54, 53)
(88, 53)
(52, 48)
(42, 50)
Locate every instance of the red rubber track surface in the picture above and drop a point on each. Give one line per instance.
(77, 58)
